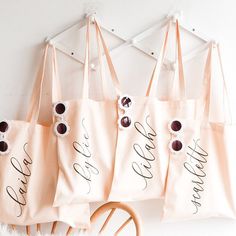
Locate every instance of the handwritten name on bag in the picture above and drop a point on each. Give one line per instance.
(83, 167)
(18, 194)
(145, 151)
(195, 166)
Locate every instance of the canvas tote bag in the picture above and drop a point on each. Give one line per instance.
(28, 169)
(201, 176)
(86, 148)
(141, 155)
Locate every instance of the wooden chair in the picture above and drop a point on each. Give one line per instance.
(110, 207)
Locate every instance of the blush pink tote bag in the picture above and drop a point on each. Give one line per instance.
(29, 170)
(201, 175)
(141, 156)
(86, 132)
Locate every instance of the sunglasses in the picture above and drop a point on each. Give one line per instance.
(125, 103)
(124, 122)
(4, 127)
(176, 145)
(175, 127)
(59, 109)
(4, 144)
(61, 127)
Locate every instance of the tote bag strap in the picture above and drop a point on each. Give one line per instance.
(157, 70)
(114, 77)
(56, 85)
(37, 85)
(101, 68)
(99, 36)
(85, 90)
(209, 78)
(180, 91)
(226, 100)
(35, 101)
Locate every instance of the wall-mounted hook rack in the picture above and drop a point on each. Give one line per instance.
(134, 41)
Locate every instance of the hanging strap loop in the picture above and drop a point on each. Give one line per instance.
(157, 70)
(36, 97)
(214, 53)
(85, 92)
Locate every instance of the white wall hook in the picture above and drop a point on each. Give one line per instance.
(46, 40)
(214, 42)
(178, 15)
(92, 66)
(91, 8)
(91, 15)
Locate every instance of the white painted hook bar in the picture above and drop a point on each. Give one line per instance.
(134, 41)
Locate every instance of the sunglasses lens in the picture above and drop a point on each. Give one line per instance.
(176, 125)
(126, 102)
(60, 108)
(177, 145)
(125, 121)
(3, 126)
(3, 146)
(61, 128)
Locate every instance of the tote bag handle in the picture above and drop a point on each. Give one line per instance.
(114, 77)
(214, 56)
(36, 97)
(85, 91)
(157, 70)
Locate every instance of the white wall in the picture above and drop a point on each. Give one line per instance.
(24, 25)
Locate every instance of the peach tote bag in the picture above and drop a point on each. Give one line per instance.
(86, 131)
(29, 169)
(201, 175)
(141, 156)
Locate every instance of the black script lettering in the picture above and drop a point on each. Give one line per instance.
(144, 151)
(83, 167)
(195, 166)
(17, 194)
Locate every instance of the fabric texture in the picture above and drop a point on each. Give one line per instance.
(86, 155)
(29, 170)
(200, 180)
(141, 154)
